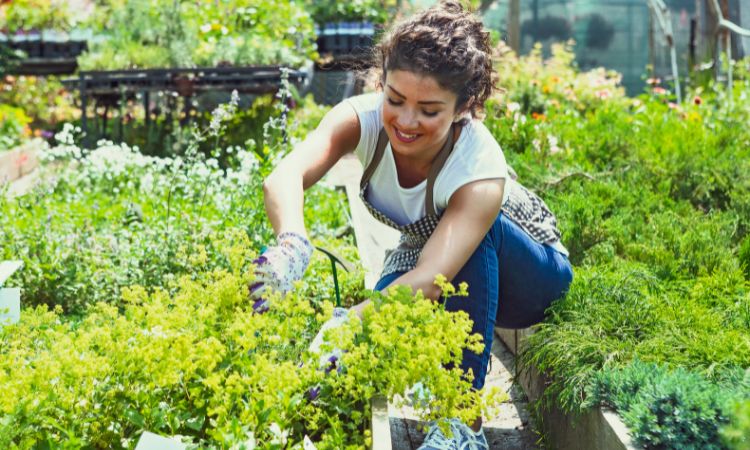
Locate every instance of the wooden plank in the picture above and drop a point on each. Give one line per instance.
(8, 268)
(381, 429)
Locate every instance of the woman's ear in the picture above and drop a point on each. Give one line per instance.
(464, 110)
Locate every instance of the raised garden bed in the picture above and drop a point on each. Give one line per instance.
(19, 161)
(597, 429)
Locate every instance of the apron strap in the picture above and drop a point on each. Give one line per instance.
(376, 157)
(437, 166)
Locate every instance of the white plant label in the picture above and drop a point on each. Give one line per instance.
(151, 441)
(10, 305)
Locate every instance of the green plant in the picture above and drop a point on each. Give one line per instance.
(36, 15)
(172, 33)
(736, 434)
(375, 11)
(667, 409)
(43, 99)
(201, 364)
(14, 126)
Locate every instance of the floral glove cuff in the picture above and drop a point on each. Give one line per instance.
(281, 265)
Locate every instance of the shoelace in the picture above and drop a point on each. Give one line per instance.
(472, 441)
(436, 439)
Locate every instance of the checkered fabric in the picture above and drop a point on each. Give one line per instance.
(522, 206)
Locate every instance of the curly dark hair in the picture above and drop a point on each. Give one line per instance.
(448, 43)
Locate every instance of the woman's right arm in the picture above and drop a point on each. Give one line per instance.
(337, 134)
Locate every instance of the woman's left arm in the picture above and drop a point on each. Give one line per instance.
(471, 211)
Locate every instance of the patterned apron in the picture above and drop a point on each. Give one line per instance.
(522, 206)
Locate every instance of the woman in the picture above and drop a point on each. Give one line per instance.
(435, 173)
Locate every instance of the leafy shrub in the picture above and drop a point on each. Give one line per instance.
(737, 434)
(375, 11)
(43, 99)
(116, 218)
(666, 409)
(199, 363)
(36, 15)
(744, 255)
(653, 206)
(13, 126)
(163, 33)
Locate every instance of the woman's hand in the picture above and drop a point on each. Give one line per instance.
(329, 360)
(279, 267)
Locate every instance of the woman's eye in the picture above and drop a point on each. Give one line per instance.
(430, 113)
(394, 103)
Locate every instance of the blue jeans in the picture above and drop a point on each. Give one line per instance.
(512, 280)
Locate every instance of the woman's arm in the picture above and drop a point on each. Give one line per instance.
(337, 134)
(471, 211)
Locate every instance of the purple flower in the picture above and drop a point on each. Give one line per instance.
(46, 134)
(313, 393)
(331, 364)
(260, 306)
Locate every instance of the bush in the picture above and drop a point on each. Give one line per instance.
(666, 409)
(201, 364)
(737, 434)
(163, 33)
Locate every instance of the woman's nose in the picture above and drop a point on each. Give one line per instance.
(407, 120)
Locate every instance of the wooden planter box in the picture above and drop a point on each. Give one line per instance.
(597, 429)
(19, 161)
(380, 427)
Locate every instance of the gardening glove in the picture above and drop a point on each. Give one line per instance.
(330, 360)
(279, 267)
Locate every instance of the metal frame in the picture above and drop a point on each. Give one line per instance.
(663, 17)
(731, 27)
(111, 86)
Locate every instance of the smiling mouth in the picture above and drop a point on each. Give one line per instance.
(405, 137)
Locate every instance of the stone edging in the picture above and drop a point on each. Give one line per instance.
(20, 161)
(597, 429)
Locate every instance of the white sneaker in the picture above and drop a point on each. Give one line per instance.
(436, 440)
(466, 438)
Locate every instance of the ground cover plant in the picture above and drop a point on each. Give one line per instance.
(204, 365)
(653, 205)
(112, 217)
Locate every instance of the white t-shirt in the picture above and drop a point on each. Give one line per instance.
(476, 156)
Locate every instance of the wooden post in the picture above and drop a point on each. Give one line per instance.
(651, 46)
(514, 26)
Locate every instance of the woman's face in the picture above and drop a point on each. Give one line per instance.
(417, 114)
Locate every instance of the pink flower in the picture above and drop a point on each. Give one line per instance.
(660, 91)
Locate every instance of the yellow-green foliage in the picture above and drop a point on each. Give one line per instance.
(737, 434)
(201, 364)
